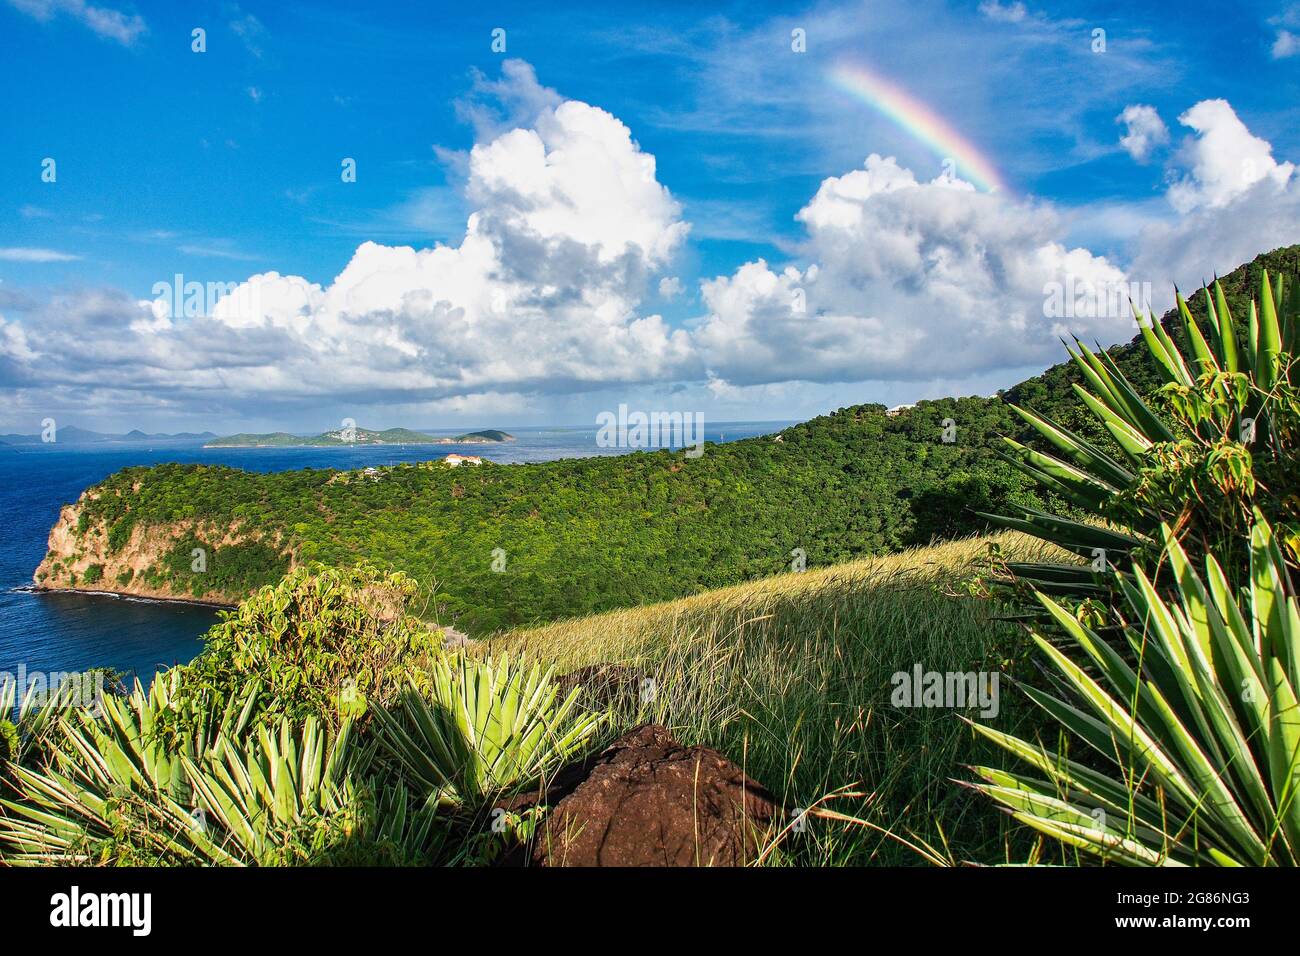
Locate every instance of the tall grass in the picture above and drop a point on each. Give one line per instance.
(791, 678)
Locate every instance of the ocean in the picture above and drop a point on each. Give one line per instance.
(52, 633)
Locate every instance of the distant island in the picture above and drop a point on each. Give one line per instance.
(72, 435)
(357, 436)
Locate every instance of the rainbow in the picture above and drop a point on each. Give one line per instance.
(920, 120)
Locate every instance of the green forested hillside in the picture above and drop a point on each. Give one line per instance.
(515, 544)
(510, 544)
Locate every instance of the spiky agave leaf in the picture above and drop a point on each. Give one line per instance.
(34, 716)
(1092, 479)
(484, 726)
(107, 782)
(280, 795)
(1201, 737)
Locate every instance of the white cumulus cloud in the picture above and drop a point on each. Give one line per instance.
(670, 287)
(908, 280)
(1231, 201)
(1223, 160)
(1144, 131)
(569, 226)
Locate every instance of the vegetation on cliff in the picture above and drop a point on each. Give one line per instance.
(519, 544)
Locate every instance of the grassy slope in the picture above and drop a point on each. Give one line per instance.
(790, 677)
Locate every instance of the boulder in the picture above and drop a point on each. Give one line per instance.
(452, 639)
(646, 800)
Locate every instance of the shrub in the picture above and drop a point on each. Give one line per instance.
(324, 642)
(119, 533)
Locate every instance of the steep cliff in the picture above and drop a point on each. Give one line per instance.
(187, 560)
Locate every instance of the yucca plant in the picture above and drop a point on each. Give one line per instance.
(111, 789)
(482, 727)
(1195, 735)
(1218, 442)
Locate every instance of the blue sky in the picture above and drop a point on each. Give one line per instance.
(225, 164)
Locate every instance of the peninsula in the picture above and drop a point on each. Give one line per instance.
(357, 436)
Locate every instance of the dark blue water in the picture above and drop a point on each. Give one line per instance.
(69, 632)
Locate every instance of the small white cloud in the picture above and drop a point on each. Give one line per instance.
(1236, 202)
(215, 249)
(1144, 130)
(1223, 160)
(1004, 12)
(21, 254)
(249, 29)
(1286, 39)
(108, 23)
(670, 287)
(255, 94)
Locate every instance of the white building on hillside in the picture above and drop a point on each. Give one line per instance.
(455, 461)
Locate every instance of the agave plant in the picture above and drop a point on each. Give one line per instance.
(35, 716)
(279, 796)
(111, 788)
(1197, 745)
(106, 785)
(484, 726)
(1220, 441)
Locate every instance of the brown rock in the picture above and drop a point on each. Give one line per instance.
(648, 801)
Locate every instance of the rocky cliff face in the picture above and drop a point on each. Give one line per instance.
(81, 559)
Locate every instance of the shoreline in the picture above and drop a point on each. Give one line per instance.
(126, 596)
(368, 444)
